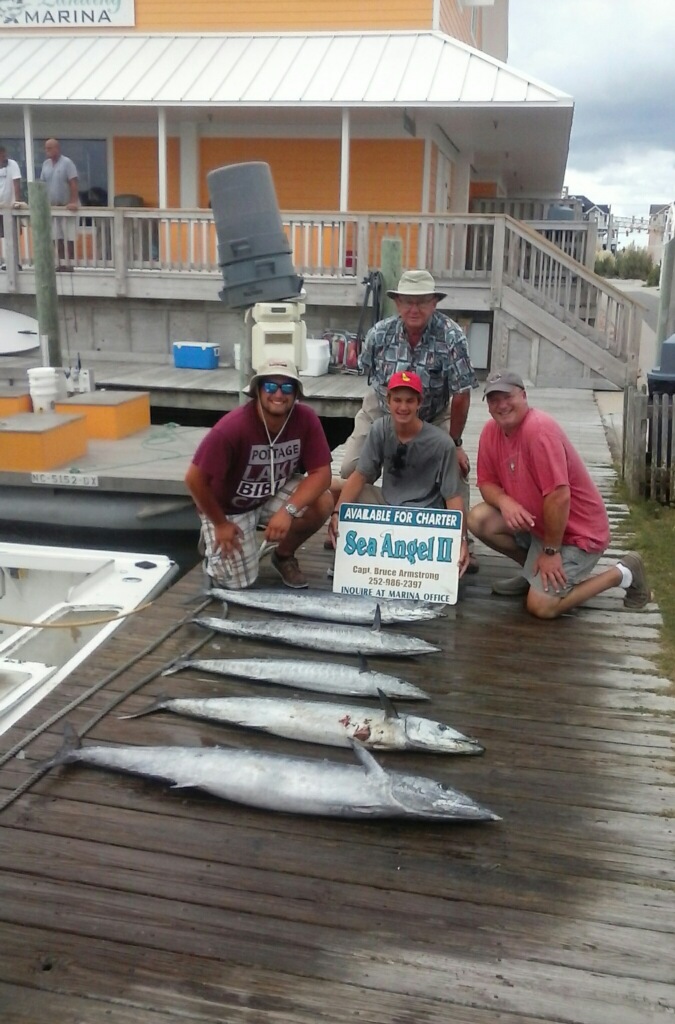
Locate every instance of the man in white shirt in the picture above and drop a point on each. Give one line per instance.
(60, 176)
(10, 190)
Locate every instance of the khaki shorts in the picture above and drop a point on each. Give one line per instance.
(65, 227)
(577, 564)
(240, 569)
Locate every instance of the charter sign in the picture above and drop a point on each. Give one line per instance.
(398, 552)
(65, 13)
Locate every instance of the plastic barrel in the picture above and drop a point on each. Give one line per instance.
(253, 251)
(43, 384)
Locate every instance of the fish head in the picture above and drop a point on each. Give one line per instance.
(425, 734)
(420, 797)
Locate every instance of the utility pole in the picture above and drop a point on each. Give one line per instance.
(45, 272)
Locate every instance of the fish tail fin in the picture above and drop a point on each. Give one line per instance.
(71, 744)
(156, 705)
(175, 666)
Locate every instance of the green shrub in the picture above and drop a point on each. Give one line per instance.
(654, 277)
(605, 265)
(633, 264)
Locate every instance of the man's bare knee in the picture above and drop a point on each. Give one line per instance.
(542, 606)
(478, 518)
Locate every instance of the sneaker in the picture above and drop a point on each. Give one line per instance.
(516, 586)
(638, 593)
(290, 571)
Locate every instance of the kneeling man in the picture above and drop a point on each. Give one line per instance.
(418, 461)
(542, 509)
(266, 462)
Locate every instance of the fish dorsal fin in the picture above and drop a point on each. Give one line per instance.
(363, 664)
(377, 620)
(367, 760)
(387, 705)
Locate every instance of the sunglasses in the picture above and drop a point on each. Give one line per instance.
(270, 387)
(421, 303)
(397, 461)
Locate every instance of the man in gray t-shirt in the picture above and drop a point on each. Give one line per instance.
(417, 460)
(59, 173)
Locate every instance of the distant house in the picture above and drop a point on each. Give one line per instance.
(601, 214)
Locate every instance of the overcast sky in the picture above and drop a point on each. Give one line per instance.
(617, 59)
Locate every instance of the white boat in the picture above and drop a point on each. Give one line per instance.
(18, 332)
(48, 597)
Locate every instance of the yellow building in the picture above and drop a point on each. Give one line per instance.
(361, 107)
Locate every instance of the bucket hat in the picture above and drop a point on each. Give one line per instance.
(405, 379)
(275, 367)
(415, 282)
(504, 380)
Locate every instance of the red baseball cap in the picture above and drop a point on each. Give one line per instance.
(405, 379)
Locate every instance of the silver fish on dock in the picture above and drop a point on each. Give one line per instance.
(330, 607)
(334, 725)
(320, 676)
(336, 638)
(292, 785)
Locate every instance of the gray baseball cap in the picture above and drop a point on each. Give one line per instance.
(503, 380)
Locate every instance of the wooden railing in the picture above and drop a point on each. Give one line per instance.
(323, 244)
(557, 283)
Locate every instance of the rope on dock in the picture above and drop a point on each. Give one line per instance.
(74, 704)
(79, 625)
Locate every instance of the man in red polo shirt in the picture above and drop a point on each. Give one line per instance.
(541, 509)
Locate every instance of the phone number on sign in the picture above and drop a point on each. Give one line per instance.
(377, 581)
(65, 479)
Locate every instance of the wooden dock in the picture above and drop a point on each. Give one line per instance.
(216, 391)
(125, 902)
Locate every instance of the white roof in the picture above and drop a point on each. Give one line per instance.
(514, 128)
(420, 69)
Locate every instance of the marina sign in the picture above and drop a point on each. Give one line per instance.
(394, 551)
(66, 13)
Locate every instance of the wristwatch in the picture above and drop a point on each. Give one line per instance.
(458, 442)
(548, 550)
(292, 510)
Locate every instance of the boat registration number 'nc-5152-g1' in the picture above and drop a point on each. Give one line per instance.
(65, 479)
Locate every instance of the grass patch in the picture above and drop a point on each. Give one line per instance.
(653, 527)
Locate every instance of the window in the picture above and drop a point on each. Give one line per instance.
(88, 155)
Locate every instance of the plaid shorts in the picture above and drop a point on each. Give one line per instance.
(240, 569)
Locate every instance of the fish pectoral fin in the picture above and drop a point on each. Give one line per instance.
(387, 705)
(377, 620)
(367, 760)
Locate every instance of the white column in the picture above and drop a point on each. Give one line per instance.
(344, 163)
(459, 184)
(189, 165)
(28, 143)
(161, 158)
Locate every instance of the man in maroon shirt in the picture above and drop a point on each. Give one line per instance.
(542, 509)
(267, 462)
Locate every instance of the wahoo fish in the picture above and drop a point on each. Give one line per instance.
(337, 638)
(321, 676)
(334, 725)
(276, 782)
(330, 607)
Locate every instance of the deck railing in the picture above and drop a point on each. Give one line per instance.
(323, 244)
(557, 283)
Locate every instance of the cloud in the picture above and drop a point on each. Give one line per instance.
(615, 58)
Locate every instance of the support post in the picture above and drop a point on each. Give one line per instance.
(161, 159)
(665, 324)
(246, 355)
(45, 272)
(392, 266)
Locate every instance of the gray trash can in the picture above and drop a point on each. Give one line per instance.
(253, 252)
